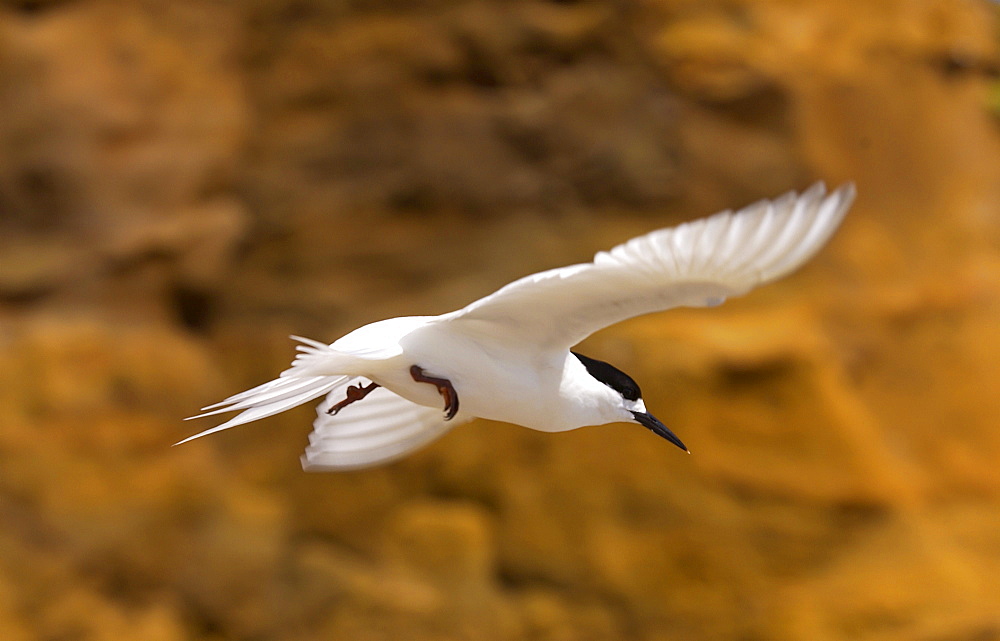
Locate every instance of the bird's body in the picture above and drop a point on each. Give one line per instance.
(506, 357)
(480, 370)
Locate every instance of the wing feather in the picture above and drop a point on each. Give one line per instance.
(695, 264)
(379, 428)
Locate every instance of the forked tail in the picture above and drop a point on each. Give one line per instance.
(308, 378)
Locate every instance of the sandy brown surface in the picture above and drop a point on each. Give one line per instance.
(185, 184)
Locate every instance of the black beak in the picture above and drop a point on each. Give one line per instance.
(656, 427)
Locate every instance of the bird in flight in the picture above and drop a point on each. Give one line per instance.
(507, 357)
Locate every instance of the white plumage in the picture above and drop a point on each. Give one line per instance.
(383, 427)
(506, 356)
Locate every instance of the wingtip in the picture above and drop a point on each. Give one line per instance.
(845, 191)
(841, 199)
(848, 191)
(816, 190)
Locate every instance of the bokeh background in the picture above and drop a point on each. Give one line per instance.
(183, 184)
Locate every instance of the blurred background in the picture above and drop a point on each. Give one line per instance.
(183, 184)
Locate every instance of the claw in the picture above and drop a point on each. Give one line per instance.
(354, 393)
(444, 388)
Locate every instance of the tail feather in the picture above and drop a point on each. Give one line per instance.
(235, 398)
(381, 428)
(314, 387)
(309, 377)
(266, 393)
(313, 359)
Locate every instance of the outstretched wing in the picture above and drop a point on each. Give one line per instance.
(379, 428)
(700, 263)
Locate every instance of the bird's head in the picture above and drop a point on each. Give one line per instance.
(627, 402)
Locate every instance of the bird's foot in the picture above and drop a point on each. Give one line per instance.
(444, 387)
(354, 393)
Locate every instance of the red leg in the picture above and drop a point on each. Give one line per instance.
(444, 387)
(354, 393)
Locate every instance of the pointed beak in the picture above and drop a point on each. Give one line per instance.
(656, 427)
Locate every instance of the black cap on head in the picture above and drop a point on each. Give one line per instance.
(612, 377)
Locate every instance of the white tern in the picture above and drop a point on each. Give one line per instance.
(506, 357)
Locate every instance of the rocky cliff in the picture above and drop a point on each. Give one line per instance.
(184, 184)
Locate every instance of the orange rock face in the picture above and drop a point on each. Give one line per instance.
(182, 185)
